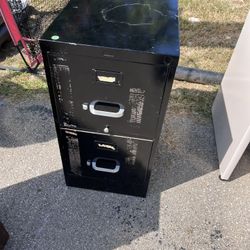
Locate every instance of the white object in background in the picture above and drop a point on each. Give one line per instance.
(19, 7)
(231, 108)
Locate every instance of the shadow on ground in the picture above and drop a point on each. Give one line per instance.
(7, 50)
(243, 166)
(27, 122)
(42, 213)
(209, 34)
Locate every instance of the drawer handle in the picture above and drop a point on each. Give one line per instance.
(107, 109)
(106, 165)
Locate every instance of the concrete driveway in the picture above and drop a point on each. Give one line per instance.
(187, 206)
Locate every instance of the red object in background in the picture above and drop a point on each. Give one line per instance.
(19, 41)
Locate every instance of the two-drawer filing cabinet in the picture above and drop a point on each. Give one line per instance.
(110, 66)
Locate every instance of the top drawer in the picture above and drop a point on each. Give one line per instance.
(105, 95)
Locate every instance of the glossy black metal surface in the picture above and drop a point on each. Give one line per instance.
(110, 66)
(140, 92)
(118, 164)
(143, 25)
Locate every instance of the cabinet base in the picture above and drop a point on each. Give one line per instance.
(106, 185)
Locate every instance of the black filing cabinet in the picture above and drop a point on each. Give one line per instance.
(110, 66)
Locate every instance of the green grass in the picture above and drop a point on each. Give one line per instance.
(18, 85)
(209, 43)
(193, 98)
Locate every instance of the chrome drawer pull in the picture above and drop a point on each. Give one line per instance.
(97, 161)
(118, 113)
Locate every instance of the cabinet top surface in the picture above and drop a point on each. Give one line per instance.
(140, 25)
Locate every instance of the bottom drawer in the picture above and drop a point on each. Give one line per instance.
(108, 163)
